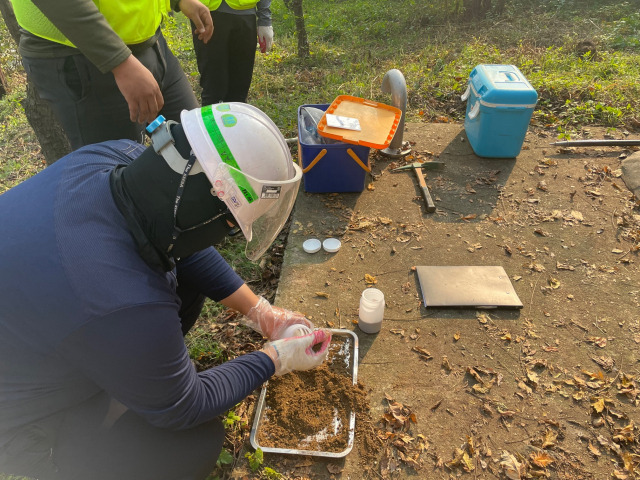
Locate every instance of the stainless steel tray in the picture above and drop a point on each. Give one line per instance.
(262, 407)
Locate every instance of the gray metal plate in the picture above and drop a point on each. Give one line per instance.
(467, 286)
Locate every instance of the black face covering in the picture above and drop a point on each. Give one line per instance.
(146, 193)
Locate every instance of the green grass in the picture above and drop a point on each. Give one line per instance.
(353, 44)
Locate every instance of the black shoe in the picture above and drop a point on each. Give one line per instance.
(234, 231)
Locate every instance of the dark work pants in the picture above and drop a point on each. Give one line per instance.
(226, 62)
(101, 439)
(88, 103)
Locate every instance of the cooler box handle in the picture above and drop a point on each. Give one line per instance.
(512, 76)
(465, 95)
(473, 113)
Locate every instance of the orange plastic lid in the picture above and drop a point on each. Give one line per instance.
(378, 122)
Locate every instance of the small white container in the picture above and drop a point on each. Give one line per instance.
(371, 310)
(331, 245)
(297, 330)
(312, 245)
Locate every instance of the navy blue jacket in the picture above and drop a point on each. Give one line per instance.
(81, 312)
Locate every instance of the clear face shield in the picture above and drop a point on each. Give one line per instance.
(261, 207)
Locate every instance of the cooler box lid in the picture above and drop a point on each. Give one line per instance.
(502, 85)
(378, 122)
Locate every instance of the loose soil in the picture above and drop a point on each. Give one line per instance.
(311, 411)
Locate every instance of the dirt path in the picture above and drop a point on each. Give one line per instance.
(549, 390)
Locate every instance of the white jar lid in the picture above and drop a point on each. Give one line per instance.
(312, 245)
(331, 245)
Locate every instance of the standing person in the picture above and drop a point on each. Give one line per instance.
(104, 67)
(106, 261)
(226, 62)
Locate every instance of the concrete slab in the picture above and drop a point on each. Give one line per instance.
(549, 218)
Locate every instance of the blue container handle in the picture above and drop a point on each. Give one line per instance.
(512, 76)
(465, 95)
(473, 113)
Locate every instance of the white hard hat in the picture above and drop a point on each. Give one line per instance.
(247, 160)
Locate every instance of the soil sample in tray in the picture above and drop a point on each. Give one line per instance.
(312, 410)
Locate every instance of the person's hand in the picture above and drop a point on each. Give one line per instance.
(265, 38)
(299, 353)
(272, 321)
(200, 15)
(140, 89)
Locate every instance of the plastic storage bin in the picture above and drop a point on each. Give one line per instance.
(332, 168)
(500, 102)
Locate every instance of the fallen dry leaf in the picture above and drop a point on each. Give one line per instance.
(598, 405)
(370, 279)
(512, 468)
(554, 283)
(468, 463)
(549, 439)
(541, 459)
(445, 363)
(599, 341)
(424, 354)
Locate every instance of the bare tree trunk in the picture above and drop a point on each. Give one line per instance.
(4, 88)
(476, 9)
(53, 141)
(303, 41)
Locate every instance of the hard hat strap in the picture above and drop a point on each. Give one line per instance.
(164, 144)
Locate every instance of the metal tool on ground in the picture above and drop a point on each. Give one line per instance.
(597, 143)
(417, 168)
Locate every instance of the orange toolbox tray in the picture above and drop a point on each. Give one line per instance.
(378, 122)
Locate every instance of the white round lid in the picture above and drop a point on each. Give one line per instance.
(331, 245)
(312, 245)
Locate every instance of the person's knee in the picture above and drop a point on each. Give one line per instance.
(210, 446)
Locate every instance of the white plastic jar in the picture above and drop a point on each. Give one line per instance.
(371, 310)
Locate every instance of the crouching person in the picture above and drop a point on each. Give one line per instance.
(106, 258)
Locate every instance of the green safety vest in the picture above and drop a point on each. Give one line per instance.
(235, 4)
(148, 15)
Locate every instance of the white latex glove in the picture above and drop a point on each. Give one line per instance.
(298, 353)
(272, 321)
(265, 38)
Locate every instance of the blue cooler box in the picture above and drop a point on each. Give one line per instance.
(500, 102)
(332, 168)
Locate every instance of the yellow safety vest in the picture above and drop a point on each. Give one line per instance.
(235, 4)
(133, 20)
